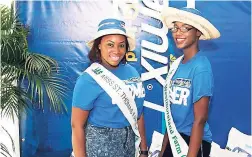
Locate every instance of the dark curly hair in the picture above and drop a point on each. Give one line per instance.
(94, 54)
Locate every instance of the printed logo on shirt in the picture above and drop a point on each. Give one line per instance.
(179, 91)
(132, 80)
(185, 83)
(135, 87)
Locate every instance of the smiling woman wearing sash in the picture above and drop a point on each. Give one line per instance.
(107, 106)
(189, 86)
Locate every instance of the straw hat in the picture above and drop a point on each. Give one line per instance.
(191, 17)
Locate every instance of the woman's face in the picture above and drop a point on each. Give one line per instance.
(113, 49)
(185, 35)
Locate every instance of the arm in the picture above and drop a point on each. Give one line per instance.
(165, 142)
(200, 118)
(143, 144)
(78, 120)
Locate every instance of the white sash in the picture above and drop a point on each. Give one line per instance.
(119, 94)
(178, 145)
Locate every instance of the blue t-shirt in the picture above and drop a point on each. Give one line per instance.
(192, 81)
(88, 95)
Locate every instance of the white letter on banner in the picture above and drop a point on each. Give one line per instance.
(129, 10)
(154, 56)
(154, 12)
(155, 5)
(153, 73)
(161, 32)
(191, 3)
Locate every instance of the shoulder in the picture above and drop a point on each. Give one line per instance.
(128, 66)
(203, 64)
(85, 79)
(129, 69)
(203, 61)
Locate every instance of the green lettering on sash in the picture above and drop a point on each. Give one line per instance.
(178, 149)
(97, 71)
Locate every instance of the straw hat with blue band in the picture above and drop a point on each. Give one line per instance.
(191, 17)
(112, 26)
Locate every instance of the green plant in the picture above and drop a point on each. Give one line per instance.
(3, 149)
(38, 72)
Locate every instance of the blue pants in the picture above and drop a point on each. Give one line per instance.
(109, 142)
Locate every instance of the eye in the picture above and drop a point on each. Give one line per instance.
(122, 45)
(184, 29)
(110, 44)
(174, 29)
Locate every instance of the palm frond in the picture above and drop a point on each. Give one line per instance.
(26, 78)
(3, 149)
(13, 100)
(38, 63)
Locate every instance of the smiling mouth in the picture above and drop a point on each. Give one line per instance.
(114, 58)
(180, 40)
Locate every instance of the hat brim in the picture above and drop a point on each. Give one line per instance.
(131, 40)
(170, 15)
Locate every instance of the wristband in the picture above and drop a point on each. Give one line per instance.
(144, 152)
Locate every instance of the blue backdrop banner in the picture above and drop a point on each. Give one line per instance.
(60, 29)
